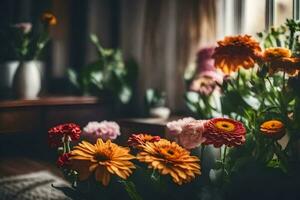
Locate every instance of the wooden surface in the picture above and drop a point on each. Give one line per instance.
(40, 114)
(49, 101)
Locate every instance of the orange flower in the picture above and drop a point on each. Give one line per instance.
(273, 128)
(223, 131)
(49, 18)
(279, 59)
(275, 53)
(235, 52)
(138, 140)
(170, 158)
(103, 158)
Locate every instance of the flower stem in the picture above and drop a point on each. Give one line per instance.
(223, 163)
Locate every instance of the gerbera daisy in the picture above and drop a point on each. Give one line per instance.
(170, 158)
(235, 52)
(273, 128)
(138, 140)
(103, 158)
(63, 132)
(223, 131)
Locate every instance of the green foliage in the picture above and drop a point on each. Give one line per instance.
(155, 98)
(109, 73)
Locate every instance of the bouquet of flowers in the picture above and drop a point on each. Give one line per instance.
(256, 135)
(101, 167)
(260, 89)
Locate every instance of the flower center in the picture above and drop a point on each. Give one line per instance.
(100, 157)
(225, 126)
(171, 152)
(272, 124)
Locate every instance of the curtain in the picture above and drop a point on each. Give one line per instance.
(163, 36)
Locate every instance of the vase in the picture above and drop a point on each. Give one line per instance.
(160, 112)
(27, 80)
(7, 73)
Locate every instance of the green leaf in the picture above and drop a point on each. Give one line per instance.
(72, 75)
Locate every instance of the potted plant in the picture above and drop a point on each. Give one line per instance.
(21, 49)
(155, 101)
(109, 75)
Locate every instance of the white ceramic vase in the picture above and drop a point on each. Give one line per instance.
(27, 80)
(160, 112)
(7, 73)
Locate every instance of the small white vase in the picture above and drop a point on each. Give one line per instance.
(7, 73)
(160, 112)
(27, 80)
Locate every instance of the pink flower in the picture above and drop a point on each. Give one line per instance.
(207, 78)
(174, 128)
(192, 134)
(25, 27)
(106, 130)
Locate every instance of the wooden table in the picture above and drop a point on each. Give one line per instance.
(40, 114)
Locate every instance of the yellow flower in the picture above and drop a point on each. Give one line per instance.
(235, 52)
(170, 158)
(49, 18)
(103, 158)
(273, 128)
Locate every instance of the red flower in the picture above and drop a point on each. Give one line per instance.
(223, 131)
(63, 160)
(137, 140)
(62, 132)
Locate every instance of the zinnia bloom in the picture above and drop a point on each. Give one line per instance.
(235, 52)
(273, 128)
(170, 158)
(279, 59)
(223, 131)
(106, 130)
(63, 132)
(275, 53)
(103, 159)
(49, 18)
(63, 160)
(138, 140)
(175, 127)
(192, 134)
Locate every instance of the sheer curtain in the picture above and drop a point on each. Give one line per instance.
(163, 36)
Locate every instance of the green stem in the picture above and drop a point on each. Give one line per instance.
(223, 163)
